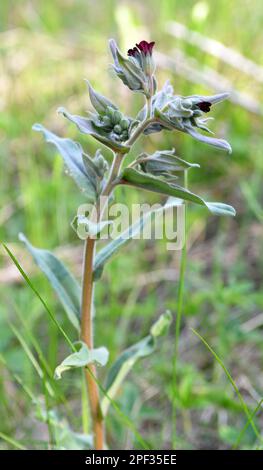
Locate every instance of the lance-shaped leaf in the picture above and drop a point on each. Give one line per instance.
(72, 155)
(122, 366)
(213, 99)
(82, 358)
(61, 280)
(141, 180)
(218, 143)
(86, 126)
(125, 237)
(99, 102)
(163, 162)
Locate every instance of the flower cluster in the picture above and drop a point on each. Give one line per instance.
(136, 71)
(185, 114)
(114, 123)
(107, 124)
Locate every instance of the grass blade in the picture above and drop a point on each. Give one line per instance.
(122, 415)
(242, 432)
(12, 441)
(28, 281)
(231, 380)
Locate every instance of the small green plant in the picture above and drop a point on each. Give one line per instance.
(158, 172)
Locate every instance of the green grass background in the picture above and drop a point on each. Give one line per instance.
(47, 48)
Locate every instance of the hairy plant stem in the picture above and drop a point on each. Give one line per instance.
(87, 296)
(87, 338)
(179, 314)
(86, 313)
(139, 130)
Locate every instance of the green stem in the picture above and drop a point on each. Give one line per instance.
(139, 130)
(115, 168)
(178, 321)
(87, 317)
(87, 338)
(85, 405)
(87, 298)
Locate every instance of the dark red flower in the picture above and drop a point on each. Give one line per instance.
(132, 52)
(143, 47)
(146, 47)
(204, 106)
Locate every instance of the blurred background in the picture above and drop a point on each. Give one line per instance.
(47, 48)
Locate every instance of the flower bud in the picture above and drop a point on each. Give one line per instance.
(117, 116)
(142, 54)
(137, 70)
(124, 123)
(124, 135)
(106, 121)
(117, 128)
(100, 163)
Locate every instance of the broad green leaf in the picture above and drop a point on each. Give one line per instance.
(126, 236)
(72, 155)
(62, 281)
(138, 179)
(81, 358)
(130, 356)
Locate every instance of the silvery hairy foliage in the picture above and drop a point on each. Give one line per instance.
(159, 172)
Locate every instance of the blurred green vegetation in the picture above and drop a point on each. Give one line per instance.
(47, 48)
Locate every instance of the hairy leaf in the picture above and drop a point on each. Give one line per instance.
(141, 180)
(163, 162)
(130, 356)
(62, 281)
(81, 358)
(126, 236)
(71, 153)
(99, 102)
(163, 96)
(219, 143)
